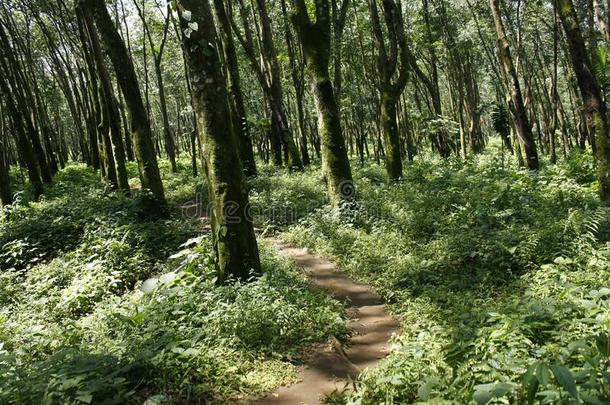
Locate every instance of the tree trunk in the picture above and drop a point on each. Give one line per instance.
(298, 81)
(23, 144)
(524, 130)
(140, 124)
(170, 147)
(6, 195)
(240, 120)
(112, 118)
(315, 38)
(233, 236)
(595, 107)
(388, 65)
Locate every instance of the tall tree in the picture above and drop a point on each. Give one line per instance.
(315, 37)
(111, 117)
(392, 68)
(6, 195)
(233, 235)
(238, 107)
(595, 106)
(267, 70)
(523, 127)
(157, 53)
(140, 124)
(297, 72)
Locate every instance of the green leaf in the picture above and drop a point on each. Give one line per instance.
(482, 397)
(85, 397)
(565, 378)
(603, 344)
(542, 374)
(425, 389)
(532, 390)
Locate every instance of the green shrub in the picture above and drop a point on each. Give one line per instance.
(178, 336)
(496, 273)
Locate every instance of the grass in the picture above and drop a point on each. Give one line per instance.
(99, 304)
(499, 277)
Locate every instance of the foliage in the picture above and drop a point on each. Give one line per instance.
(498, 275)
(92, 324)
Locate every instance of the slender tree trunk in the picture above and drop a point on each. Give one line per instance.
(390, 60)
(315, 38)
(112, 118)
(275, 88)
(523, 127)
(240, 120)
(298, 81)
(23, 144)
(595, 107)
(234, 241)
(140, 124)
(6, 195)
(170, 147)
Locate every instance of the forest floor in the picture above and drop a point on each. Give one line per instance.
(330, 368)
(498, 278)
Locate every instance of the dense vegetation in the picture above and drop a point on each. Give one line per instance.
(100, 304)
(453, 155)
(500, 279)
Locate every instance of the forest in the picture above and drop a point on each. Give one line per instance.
(344, 202)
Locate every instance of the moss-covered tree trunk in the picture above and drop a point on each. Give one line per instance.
(269, 56)
(157, 52)
(24, 148)
(139, 120)
(391, 59)
(522, 124)
(595, 106)
(266, 67)
(297, 70)
(109, 172)
(234, 241)
(315, 38)
(168, 138)
(391, 137)
(114, 147)
(240, 121)
(6, 195)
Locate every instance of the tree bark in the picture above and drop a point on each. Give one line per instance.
(140, 124)
(523, 127)
(240, 120)
(6, 195)
(157, 52)
(112, 118)
(233, 236)
(392, 60)
(595, 106)
(315, 38)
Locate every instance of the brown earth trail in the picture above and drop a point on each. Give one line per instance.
(331, 368)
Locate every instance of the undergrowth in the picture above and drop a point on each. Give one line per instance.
(499, 276)
(101, 304)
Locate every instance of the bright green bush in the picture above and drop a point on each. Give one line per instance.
(83, 320)
(179, 336)
(500, 278)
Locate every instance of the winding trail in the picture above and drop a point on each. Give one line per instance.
(331, 367)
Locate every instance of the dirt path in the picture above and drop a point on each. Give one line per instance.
(330, 368)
